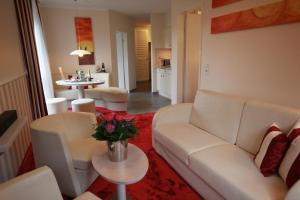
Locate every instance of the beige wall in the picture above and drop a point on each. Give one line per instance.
(11, 60)
(122, 23)
(14, 94)
(60, 35)
(157, 21)
(261, 63)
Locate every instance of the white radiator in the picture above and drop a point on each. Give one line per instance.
(14, 143)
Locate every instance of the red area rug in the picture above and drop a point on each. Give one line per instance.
(161, 181)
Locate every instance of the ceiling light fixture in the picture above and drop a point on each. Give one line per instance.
(79, 52)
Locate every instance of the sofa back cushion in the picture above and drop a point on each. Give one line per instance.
(256, 119)
(217, 114)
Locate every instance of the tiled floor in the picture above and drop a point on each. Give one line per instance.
(143, 86)
(143, 100)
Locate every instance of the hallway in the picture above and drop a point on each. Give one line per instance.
(143, 100)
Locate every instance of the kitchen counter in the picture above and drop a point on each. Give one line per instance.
(164, 67)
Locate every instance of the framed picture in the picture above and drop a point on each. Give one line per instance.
(84, 36)
(282, 12)
(219, 3)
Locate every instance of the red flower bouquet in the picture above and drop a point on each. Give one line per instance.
(114, 127)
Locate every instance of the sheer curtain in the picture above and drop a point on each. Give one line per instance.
(42, 53)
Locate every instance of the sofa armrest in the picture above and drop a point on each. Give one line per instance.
(294, 192)
(172, 114)
(37, 184)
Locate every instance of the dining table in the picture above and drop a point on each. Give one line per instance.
(80, 85)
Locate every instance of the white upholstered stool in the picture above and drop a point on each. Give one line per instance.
(56, 105)
(84, 105)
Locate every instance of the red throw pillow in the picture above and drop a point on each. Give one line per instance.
(289, 168)
(271, 151)
(295, 132)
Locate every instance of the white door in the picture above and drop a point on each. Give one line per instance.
(142, 54)
(122, 56)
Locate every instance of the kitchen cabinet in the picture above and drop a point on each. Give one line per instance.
(164, 78)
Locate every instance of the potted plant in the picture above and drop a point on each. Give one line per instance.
(116, 129)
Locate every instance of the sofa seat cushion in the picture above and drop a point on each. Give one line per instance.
(82, 150)
(233, 174)
(111, 94)
(184, 139)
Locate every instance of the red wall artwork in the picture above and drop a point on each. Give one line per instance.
(84, 34)
(283, 12)
(219, 3)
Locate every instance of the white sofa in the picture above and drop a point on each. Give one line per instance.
(211, 144)
(39, 184)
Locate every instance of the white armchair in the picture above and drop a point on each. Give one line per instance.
(64, 143)
(39, 184)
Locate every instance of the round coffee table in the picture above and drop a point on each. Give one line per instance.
(130, 171)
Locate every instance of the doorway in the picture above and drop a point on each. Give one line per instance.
(122, 58)
(143, 58)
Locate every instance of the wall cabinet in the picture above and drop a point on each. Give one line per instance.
(164, 82)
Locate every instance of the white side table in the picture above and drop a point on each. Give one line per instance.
(130, 171)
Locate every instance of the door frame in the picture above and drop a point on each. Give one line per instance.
(122, 60)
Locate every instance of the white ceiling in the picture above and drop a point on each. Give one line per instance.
(134, 8)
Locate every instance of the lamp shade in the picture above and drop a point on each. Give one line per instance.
(80, 52)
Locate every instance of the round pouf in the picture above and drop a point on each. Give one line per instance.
(56, 105)
(84, 105)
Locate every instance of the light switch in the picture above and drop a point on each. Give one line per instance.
(206, 69)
